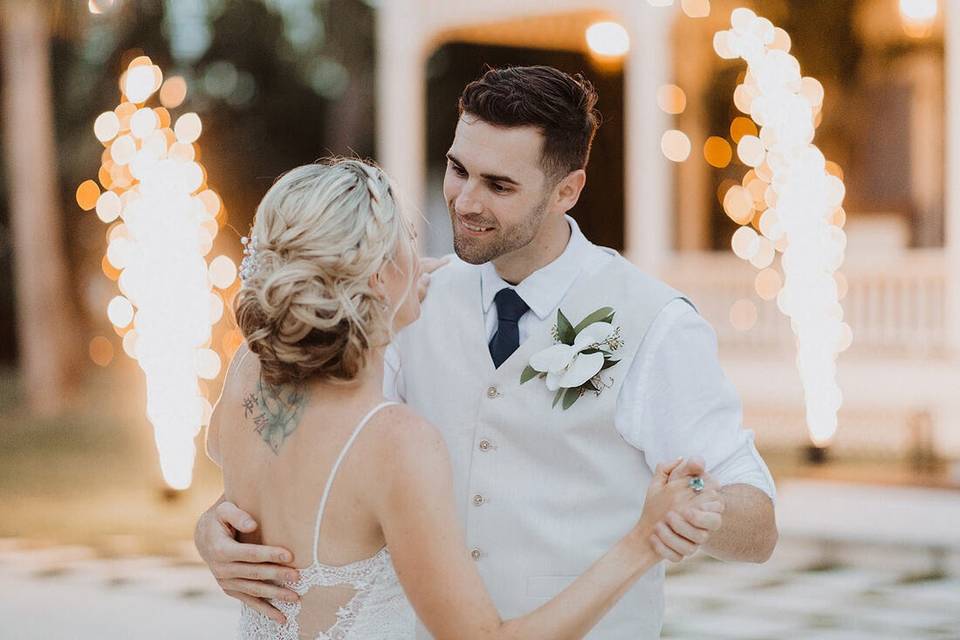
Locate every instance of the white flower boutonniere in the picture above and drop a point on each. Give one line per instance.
(573, 365)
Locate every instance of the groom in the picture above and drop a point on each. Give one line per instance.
(545, 487)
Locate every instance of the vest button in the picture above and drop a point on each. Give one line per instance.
(485, 445)
(478, 500)
(492, 392)
(475, 554)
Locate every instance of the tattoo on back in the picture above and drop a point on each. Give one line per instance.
(275, 411)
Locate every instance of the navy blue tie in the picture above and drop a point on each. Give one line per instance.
(510, 308)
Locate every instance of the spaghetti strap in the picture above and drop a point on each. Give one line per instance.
(333, 473)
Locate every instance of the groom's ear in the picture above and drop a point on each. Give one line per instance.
(569, 189)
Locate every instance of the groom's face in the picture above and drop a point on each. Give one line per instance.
(495, 188)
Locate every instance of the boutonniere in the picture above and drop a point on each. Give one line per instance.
(573, 365)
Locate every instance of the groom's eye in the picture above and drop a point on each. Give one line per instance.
(457, 169)
(499, 188)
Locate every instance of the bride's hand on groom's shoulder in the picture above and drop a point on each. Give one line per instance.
(427, 267)
(676, 520)
(248, 572)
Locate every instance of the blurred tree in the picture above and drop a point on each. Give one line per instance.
(46, 322)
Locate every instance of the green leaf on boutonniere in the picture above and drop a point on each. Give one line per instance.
(608, 363)
(570, 397)
(565, 329)
(528, 374)
(559, 395)
(604, 314)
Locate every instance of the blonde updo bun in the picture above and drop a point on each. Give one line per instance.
(307, 309)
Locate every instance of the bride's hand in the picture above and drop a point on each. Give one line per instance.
(667, 497)
(428, 266)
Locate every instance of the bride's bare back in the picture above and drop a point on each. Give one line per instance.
(293, 457)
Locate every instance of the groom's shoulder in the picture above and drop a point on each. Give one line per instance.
(633, 279)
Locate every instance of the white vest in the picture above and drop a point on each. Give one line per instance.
(542, 492)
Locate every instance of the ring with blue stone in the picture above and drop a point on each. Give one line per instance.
(696, 483)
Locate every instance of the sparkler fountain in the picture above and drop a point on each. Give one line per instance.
(164, 222)
(803, 216)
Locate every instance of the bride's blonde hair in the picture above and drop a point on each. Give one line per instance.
(306, 307)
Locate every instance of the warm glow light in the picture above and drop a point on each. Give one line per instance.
(675, 145)
(87, 195)
(140, 82)
(101, 351)
(97, 7)
(750, 151)
(742, 126)
(696, 8)
(168, 305)
(143, 123)
(106, 126)
(918, 16)
(717, 152)
(671, 99)
(743, 315)
(173, 92)
(120, 312)
(768, 284)
(745, 243)
(738, 204)
(188, 128)
(222, 272)
(608, 39)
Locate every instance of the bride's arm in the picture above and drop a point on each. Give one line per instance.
(426, 542)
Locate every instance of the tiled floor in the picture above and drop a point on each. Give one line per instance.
(825, 582)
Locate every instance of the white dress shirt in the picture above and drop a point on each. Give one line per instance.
(675, 401)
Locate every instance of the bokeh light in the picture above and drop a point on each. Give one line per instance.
(671, 99)
(608, 39)
(173, 92)
(743, 315)
(717, 152)
(675, 145)
(87, 195)
(696, 8)
(101, 351)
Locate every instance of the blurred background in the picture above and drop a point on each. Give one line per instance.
(100, 489)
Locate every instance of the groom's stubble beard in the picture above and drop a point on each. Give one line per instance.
(504, 240)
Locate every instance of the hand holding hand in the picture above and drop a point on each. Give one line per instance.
(687, 527)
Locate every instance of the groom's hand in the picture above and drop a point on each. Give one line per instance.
(684, 531)
(428, 266)
(244, 571)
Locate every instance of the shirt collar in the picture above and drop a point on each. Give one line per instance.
(543, 289)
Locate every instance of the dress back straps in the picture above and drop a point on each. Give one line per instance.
(333, 473)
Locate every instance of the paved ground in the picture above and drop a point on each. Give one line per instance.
(853, 563)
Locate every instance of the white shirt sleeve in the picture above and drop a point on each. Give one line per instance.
(394, 388)
(676, 401)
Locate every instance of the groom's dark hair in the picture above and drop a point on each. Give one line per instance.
(561, 105)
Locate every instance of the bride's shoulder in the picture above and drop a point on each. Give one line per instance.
(404, 435)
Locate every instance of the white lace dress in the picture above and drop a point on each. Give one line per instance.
(362, 600)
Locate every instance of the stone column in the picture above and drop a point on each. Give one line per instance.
(401, 85)
(951, 38)
(648, 232)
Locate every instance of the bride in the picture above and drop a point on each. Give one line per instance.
(360, 489)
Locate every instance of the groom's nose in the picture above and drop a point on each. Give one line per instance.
(466, 201)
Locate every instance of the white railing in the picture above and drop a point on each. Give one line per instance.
(895, 304)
